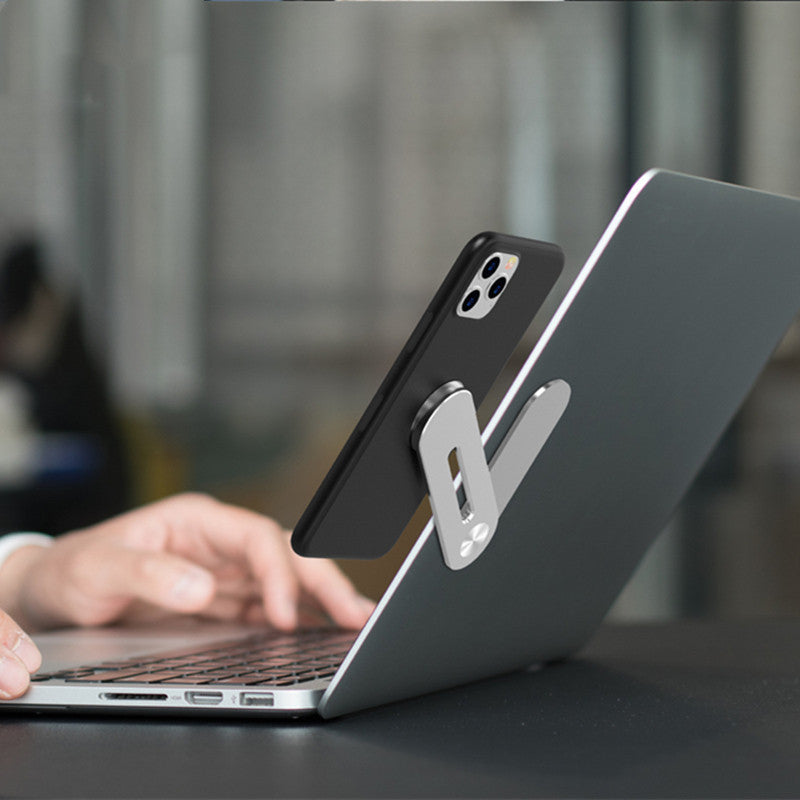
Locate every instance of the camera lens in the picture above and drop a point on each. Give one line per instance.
(490, 267)
(470, 300)
(497, 287)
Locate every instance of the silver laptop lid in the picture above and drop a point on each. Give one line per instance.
(660, 338)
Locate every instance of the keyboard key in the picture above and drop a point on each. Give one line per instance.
(158, 676)
(272, 659)
(243, 680)
(103, 677)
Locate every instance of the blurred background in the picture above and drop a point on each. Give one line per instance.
(219, 223)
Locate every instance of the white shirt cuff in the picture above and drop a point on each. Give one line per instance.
(14, 541)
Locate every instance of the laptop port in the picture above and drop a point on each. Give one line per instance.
(264, 699)
(203, 698)
(131, 696)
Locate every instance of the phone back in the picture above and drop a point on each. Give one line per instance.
(375, 485)
(660, 338)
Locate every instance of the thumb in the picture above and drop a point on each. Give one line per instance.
(162, 579)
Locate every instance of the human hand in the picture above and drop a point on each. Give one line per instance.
(187, 554)
(19, 658)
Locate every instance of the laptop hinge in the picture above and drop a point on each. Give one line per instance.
(466, 508)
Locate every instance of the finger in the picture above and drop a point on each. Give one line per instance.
(163, 579)
(327, 585)
(240, 536)
(312, 617)
(254, 614)
(221, 607)
(14, 676)
(279, 586)
(141, 613)
(19, 657)
(228, 608)
(18, 642)
(241, 588)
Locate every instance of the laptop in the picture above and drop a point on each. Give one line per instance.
(652, 350)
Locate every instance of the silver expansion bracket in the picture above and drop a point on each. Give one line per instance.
(447, 422)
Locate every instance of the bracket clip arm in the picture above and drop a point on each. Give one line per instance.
(447, 422)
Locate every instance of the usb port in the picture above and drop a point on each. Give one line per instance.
(204, 698)
(264, 699)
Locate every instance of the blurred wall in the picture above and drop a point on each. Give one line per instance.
(256, 201)
(354, 152)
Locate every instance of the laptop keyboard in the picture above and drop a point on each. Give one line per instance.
(261, 660)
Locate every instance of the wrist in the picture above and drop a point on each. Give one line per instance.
(15, 568)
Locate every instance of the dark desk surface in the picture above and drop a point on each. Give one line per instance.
(688, 709)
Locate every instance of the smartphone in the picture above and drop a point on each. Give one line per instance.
(468, 332)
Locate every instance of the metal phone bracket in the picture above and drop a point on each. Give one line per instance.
(447, 422)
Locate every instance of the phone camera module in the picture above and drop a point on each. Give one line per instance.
(470, 300)
(490, 267)
(496, 288)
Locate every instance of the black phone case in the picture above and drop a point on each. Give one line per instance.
(375, 485)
